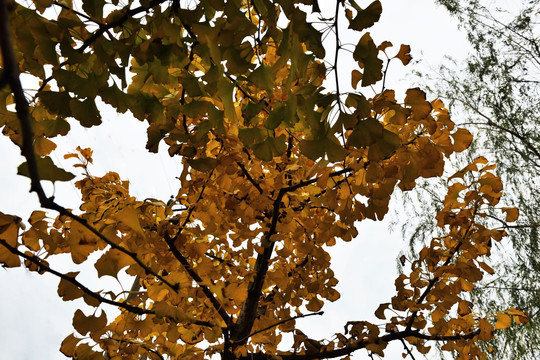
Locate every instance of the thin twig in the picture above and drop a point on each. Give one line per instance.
(207, 292)
(249, 177)
(409, 352)
(282, 322)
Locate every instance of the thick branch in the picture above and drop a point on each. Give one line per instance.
(247, 316)
(347, 350)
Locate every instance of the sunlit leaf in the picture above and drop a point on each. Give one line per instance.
(503, 321)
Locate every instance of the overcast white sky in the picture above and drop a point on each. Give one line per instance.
(34, 321)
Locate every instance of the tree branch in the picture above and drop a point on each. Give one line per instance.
(207, 292)
(37, 261)
(282, 322)
(433, 281)
(123, 305)
(249, 177)
(347, 350)
(78, 13)
(11, 74)
(102, 29)
(242, 329)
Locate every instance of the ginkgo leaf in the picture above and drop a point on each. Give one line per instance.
(416, 99)
(462, 139)
(262, 77)
(377, 348)
(314, 304)
(204, 164)
(9, 231)
(56, 102)
(404, 54)
(503, 321)
(43, 146)
(251, 136)
(512, 213)
(68, 345)
(94, 8)
(270, 147)
(519, 316)
(67, 290)
(486, 329)
(367, 17)
(276, 116)
(82, 242)
(86, 112)
(130, 217)
(366, 53)
(315, 149)
(47, 170)
(41, 5)
(384, 45)
(486, 267)
(111, 262)
(85, 324)
(379, 313)
(356, 76)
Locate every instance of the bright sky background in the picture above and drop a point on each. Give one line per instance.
(34, 320)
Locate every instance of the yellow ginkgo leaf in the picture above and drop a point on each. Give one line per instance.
(130, 217)
(512, 213)
(519, 316)
(503, 321)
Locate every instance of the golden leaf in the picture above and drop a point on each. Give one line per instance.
(379, 313)
(512, 213)
(130, 217)
(356, 76)
(68, 345)
(85, 324)
(67, 290)
(503, 321)
(519, 316)
(462, 139)
(404, 54)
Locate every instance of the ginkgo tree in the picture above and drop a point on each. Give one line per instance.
(276, 169)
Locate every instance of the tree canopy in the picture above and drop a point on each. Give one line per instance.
(277, 168)
(495, 94)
